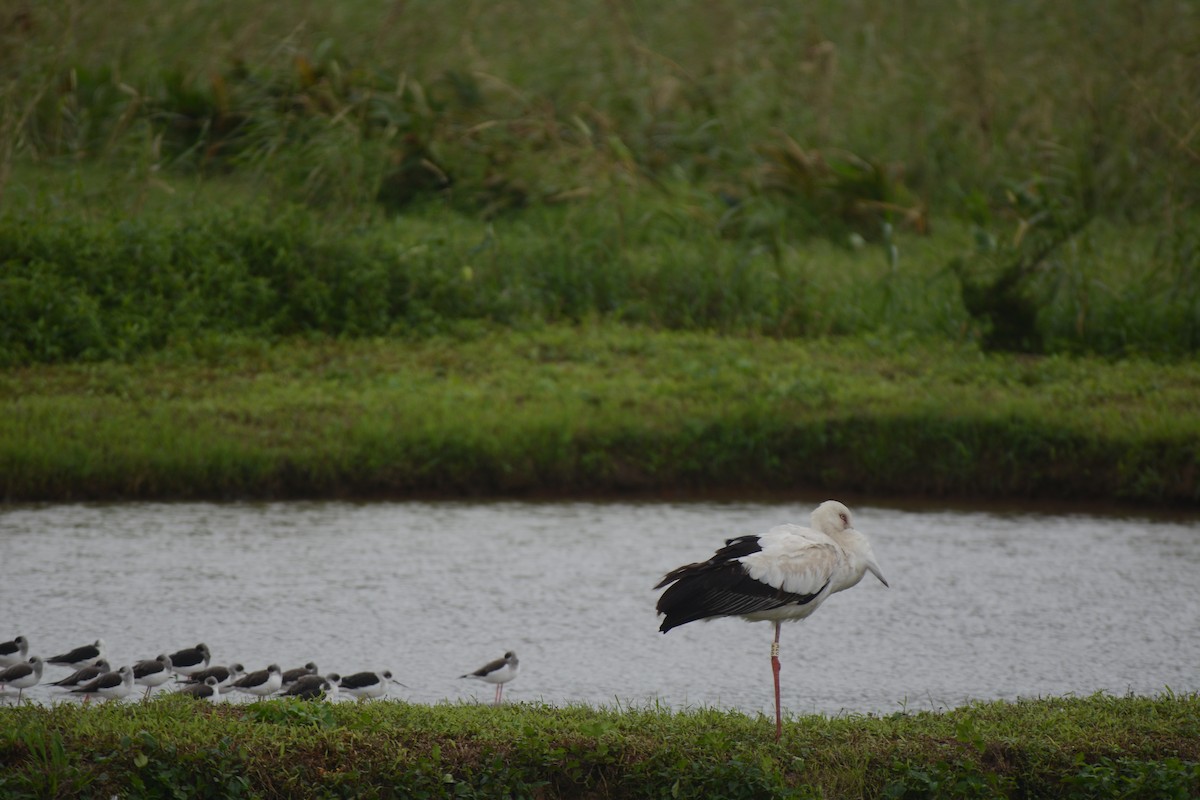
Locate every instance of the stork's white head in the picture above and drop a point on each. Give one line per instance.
(833, 519)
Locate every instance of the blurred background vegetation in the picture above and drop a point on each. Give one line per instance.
(1021, 174)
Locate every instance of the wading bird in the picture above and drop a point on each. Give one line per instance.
(110, 685)
(290, 676)
(367, 684)
(499, 672)
(783, 574)
(225, 676)
(314, 687)
(190, 660)
(83, 656)
(262, 683)
(22, 675)
(153, 672)
(85, 674)
(202, 691)
(14, 652)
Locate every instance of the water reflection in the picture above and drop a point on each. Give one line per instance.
(981, 606)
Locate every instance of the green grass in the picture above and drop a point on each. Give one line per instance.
(1072, 748)
(598, 408)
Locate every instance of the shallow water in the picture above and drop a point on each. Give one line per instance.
(981, 605)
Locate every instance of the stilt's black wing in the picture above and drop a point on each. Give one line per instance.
(359, 680)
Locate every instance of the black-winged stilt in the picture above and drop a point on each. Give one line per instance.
(207, 690)
(84, 674)
(110, 685)
(15, 651)
(368, 684)
(783, 574)
(81, 656)
(225, 676)
(191, 659)
(290, 676)
(312, 687)
(22, 675)
(262, 682)
(153, 672)
(499, 672)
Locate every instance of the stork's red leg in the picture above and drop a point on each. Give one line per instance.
(775, 672)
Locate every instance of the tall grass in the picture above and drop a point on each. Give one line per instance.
(666, 164)
(515, 104)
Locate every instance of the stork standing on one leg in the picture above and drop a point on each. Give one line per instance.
(785, 573)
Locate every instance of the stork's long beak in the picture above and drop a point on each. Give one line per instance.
(874, 568)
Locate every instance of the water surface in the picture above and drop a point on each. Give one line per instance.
(981, 605)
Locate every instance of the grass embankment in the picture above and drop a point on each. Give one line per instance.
(1098, 747)
(596, 408)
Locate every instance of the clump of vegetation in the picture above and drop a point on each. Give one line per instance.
(1006, 284)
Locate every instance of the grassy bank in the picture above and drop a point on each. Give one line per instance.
(595, 408)
(1098, 747)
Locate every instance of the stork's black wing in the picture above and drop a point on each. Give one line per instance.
(720, 587)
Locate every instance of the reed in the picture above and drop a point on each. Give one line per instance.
(533, 102)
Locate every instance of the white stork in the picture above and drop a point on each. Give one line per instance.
(783, 574)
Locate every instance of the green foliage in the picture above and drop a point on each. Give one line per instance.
(944, 780)
(1101, 746)
(90, 287)
(293, 712)
(51, 771)
(1128, 778)
(1005, 286)
(160, 767)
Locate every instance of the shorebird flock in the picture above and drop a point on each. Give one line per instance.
(783, 574)
(194, 675)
